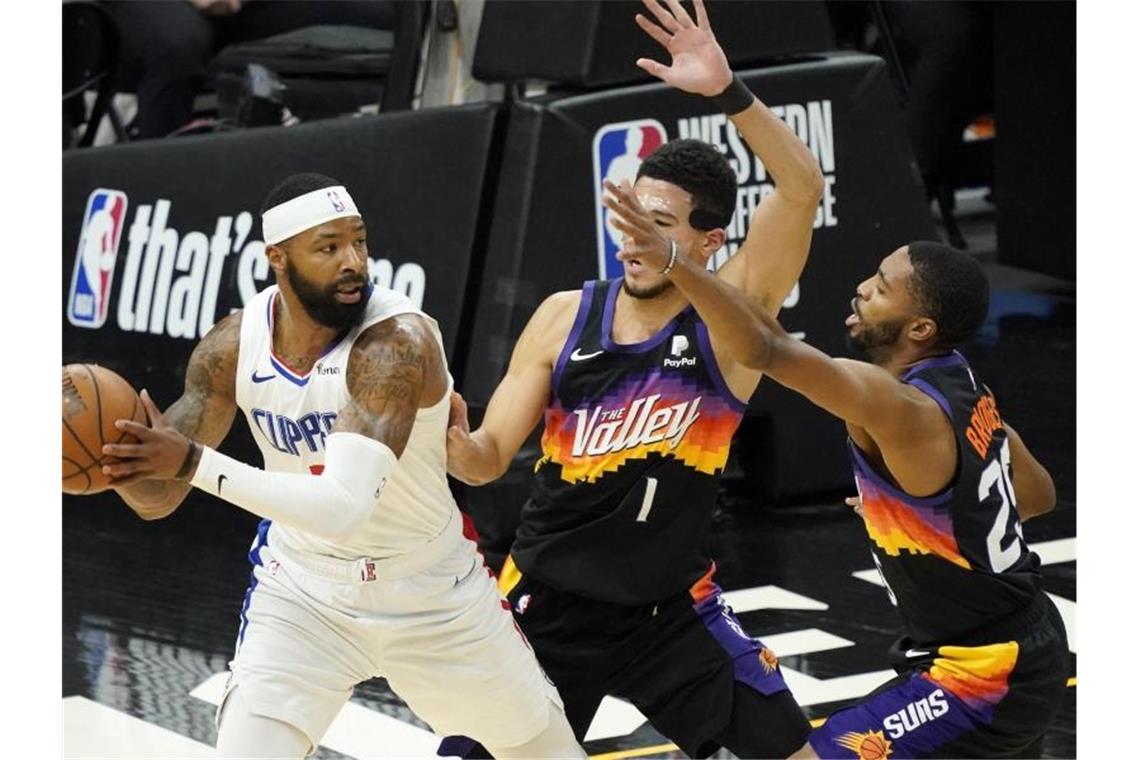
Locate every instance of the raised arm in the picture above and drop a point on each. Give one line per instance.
(1033, 487)
(775, 250)
(204, 413)
(518, 402)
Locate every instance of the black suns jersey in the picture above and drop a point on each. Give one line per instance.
(635, 443)
(954, 562)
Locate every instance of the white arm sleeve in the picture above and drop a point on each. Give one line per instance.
(332, 505)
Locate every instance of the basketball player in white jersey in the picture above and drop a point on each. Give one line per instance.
(363, 571)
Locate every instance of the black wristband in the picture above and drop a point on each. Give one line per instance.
(735, 98)
(187, 463)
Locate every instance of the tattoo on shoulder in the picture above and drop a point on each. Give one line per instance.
(386, 372)
(388, 361)
(213, 364)
(210, 376)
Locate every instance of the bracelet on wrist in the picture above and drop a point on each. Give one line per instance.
(188, 462)
(735, 98)
(672, 257)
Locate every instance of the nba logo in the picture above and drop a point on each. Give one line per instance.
(618, 152)
(95, 260)
(334, 198)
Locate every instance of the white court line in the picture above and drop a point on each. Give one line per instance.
(803, 642)
(809, 690)
(871, 576)
(769, 597)
(1053, 552)
(356, 731)
(615, 717)
(92, 730)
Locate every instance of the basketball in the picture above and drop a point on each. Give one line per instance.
(93, 398)
(874, 747)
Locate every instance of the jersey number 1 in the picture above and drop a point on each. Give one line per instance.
(1005, 542)
(647, 500)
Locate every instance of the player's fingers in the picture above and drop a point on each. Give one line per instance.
(137, 429)
(662, 15)
(852, 501)
(614, 204)
(152, 411)
(652, 29)
(623, 225)
(629, 197)
(680, 14)
(653, 68)
(458, 417)
(126, 468)
(124, 450)
(702, 15)
(458, 436)
(623, 191)
(624, 203)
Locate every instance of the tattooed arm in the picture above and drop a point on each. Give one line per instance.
(393, 364)
(204, 413)
(395, 367)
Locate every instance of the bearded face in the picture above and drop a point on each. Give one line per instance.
(332, 305)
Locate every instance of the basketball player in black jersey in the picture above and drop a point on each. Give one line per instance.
(641, 382)
(944, 484)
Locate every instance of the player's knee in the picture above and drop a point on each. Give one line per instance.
(765, 725)
(556, 740)
(804, 753)
(242, 733)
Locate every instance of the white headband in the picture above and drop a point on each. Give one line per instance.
(285, 220)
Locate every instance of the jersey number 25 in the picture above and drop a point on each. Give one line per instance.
(1005, 541)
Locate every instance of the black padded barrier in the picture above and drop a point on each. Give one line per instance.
(593, 43)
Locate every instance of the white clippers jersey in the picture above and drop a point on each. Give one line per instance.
(290, 414)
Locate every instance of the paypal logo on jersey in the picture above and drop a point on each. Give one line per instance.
(286, 435)
(95, 261)
(618, 152)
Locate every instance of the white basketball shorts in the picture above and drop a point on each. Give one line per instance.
(432, 622)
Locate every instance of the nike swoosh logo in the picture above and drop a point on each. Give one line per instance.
(220, 479)
(577, 357)
(257, 379)
(916, 653)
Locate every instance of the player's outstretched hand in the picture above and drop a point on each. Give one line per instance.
(457, 416)
(161, 453)
(855, 503)
(643, 240)
(460, 447)
(698, 65)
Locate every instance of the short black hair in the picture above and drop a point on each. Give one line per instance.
(950, 288)
(700, 170)
(296, 185)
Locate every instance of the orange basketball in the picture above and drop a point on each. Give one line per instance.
(874, 747)
(93, 398)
